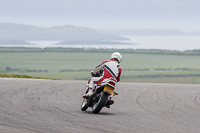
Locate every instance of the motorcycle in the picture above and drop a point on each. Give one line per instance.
(101, 96)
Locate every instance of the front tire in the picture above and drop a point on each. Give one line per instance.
(100, 103)
(84, 105)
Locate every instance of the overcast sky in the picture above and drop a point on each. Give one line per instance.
(104, 14)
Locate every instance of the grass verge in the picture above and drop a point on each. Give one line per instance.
(5, 75)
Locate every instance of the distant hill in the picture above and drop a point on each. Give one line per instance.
(20, 34)
(148, 31)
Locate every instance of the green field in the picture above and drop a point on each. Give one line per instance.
(155, 66)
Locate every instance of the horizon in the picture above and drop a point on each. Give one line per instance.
(109, 29)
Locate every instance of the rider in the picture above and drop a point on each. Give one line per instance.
(111, 69)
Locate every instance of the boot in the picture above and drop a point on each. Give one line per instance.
(109, 102)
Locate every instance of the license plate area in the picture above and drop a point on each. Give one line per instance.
(108, 89)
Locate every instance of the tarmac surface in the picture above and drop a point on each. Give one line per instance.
(46, 106)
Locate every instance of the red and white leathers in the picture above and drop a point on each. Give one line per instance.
(111, 69)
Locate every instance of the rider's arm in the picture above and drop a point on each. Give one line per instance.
(118, 77)
(100, 66)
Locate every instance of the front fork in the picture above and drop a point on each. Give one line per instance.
(87, 89)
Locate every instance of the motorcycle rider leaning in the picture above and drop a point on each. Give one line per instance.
(111, 69)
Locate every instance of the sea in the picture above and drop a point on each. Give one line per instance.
(178, 42)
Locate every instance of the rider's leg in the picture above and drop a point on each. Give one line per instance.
(91, 85)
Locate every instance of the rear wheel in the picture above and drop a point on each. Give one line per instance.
(99, 103)
(84, 105)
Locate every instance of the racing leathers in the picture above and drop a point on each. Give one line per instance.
(111, 69)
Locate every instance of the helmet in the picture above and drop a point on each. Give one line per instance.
(116, 55)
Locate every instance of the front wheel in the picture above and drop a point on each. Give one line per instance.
(84, 105)
(99, 103)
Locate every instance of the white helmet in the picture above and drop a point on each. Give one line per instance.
(117, 55)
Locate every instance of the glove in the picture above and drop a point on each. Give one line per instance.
(101, 71)
(95, 74)
(92, 73)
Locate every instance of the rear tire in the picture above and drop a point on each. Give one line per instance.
(100, 103)
(84, 105)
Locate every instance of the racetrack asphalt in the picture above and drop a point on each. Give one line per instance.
(48, 106)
